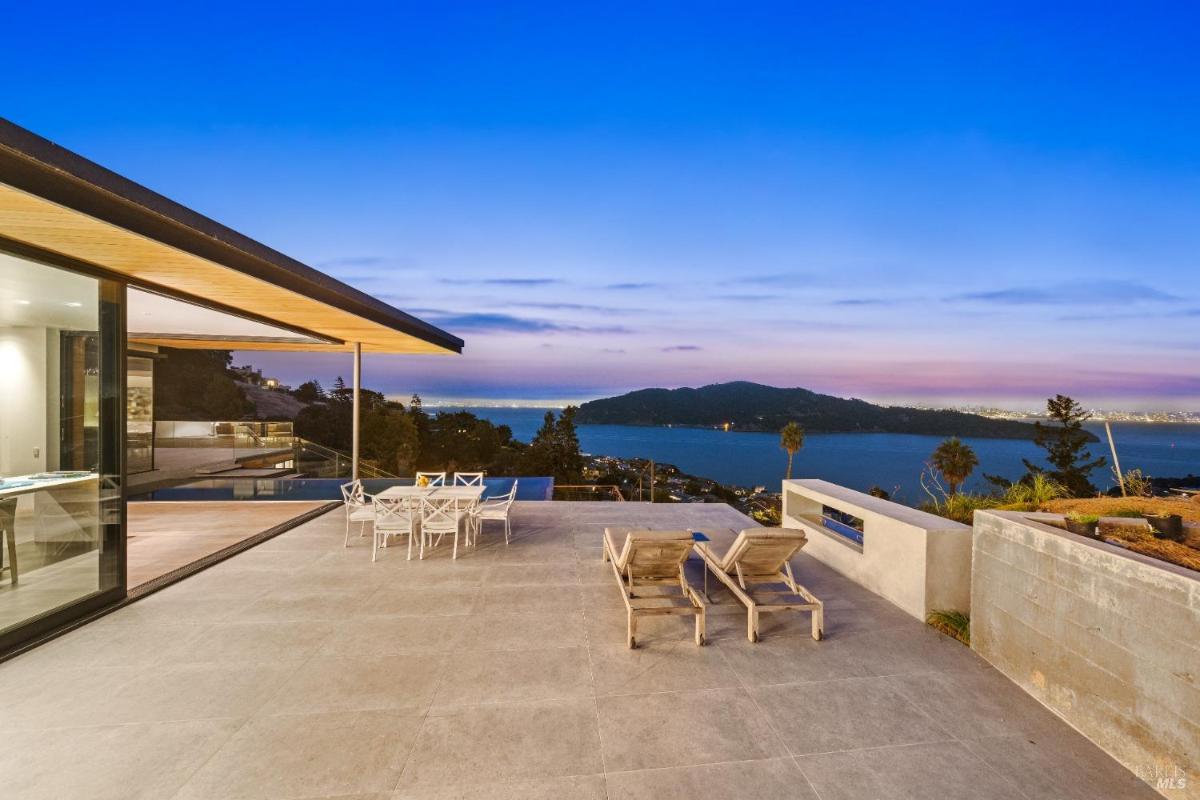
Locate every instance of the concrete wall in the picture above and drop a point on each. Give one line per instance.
(921, 562)
(1108, 639)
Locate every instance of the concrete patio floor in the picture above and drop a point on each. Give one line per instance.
(299, 669)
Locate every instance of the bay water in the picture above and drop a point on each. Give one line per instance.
(892, 461)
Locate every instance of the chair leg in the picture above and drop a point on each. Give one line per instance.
(631, 637)
(347, 542)
(752, 623)
(700, 628)
(454, 554)
(818, 623)
(507, 529)
(374, 545)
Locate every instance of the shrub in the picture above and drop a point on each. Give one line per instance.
(952, 623)
(960, 507)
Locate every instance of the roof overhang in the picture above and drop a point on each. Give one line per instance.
(54, 201)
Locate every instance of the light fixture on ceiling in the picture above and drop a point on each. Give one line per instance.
(22, 302)
(73, 305)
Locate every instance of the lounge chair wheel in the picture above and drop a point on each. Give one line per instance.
(632, 643)
(702, 641)
(819, 635)
(754, 636)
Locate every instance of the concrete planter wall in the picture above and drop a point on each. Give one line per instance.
(921, 562)
(1108, 639)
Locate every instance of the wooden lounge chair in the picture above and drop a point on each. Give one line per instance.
(763, 556)
(652, 558)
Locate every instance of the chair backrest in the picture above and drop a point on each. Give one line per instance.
(392, 514)
(654, 554)
(352, 493)
(439, 512)
(434, 478)
(468, 479)
(763, 551)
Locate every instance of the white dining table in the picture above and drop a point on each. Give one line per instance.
(433, 492)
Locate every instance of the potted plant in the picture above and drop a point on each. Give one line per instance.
(1083, 524)
(1166, 526)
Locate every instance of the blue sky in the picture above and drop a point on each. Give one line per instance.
(932, 204)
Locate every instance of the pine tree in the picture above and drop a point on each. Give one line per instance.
(1066, 447)
(568, 460)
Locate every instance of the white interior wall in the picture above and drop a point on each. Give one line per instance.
(25, 401)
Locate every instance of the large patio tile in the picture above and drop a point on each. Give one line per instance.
(57, 697)
(253, 643)
(675, 667)
(975, 704)
(790, 659)
(909, 649)
(108, 642)
(911, 772)
(503, 676)
(529, 599)
(774, 779)
(503, 631)
(581, 787)
(306, 756)
(504, 742)
(193, 691)
(844, 715)
(374, 636)
(359, 684)
(672, 729)
(108, 762)
(426, 601)
(505, 574)
(1061, 767)
(171, 607)
(299, 603)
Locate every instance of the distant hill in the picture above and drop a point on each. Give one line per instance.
(755, 407)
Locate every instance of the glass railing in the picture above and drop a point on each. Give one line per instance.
(528, 488)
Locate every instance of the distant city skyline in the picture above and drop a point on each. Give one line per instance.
(908, 205)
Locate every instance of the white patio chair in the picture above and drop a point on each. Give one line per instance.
(434, 478)
(496, 508)
(358, 508)
(441, 516)
(393, 517)
(468, 479)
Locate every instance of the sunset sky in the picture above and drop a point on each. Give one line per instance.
(903, 205)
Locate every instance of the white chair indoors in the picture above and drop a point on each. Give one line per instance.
(497, 508)
(394, 517)
(468, 479)
(434, 478)
(358, 508)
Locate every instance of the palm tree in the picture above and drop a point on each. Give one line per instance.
(956, 461)
(791, 438)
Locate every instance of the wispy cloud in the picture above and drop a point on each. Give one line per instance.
(353, 261)
(862, 301)
(682, 348)
(502, 281)
(1070, 294)
(575, 307)
(772, 279)
(507, 323)
(626, 287)
(612, 350)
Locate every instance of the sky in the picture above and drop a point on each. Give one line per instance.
(910, 203)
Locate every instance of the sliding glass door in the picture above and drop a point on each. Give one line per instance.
(62, 411)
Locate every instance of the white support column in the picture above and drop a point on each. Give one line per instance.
(354, 425)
